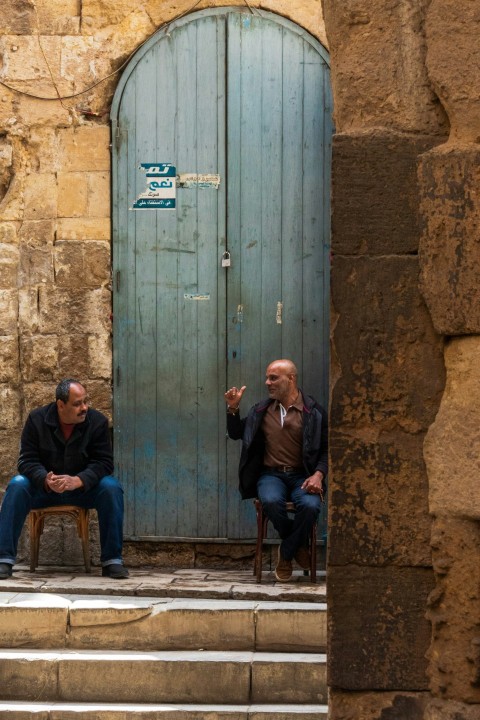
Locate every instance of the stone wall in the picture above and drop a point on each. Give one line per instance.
(404, 555)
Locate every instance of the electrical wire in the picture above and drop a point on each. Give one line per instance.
(45, 56)
(106, 77)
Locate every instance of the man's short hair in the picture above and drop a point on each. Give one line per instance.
(63, 389)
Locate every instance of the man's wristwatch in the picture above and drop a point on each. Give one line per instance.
(232, 410)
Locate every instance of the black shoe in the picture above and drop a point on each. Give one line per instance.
(117, 571)
(5, 571)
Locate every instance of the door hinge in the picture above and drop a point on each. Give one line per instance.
(118, 375)
(117, 280)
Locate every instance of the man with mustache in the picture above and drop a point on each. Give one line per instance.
(284, 458)
(65, 459)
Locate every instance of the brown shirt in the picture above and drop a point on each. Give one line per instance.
(283, 444)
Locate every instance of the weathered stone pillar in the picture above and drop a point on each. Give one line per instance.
(387, 368)
(450, 261)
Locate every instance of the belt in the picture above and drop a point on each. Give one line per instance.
(284, 468)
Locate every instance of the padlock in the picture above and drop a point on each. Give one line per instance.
(226, 259)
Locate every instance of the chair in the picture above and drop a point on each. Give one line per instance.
(262, 522)
(36, 521)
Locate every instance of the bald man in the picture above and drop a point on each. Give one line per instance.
(284, 459)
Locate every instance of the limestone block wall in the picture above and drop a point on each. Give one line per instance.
(404, 555)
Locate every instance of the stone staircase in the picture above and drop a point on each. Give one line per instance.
(160, 658)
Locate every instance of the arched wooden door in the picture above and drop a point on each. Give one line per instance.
(229, 113)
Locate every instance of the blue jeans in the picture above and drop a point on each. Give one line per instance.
(21, 496)
(274, 489)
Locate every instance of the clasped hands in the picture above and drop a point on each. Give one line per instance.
(62, 483)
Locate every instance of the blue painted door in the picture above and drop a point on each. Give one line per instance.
(239, 104)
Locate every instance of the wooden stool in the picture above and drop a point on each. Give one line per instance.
(36, 520)
(262, 522)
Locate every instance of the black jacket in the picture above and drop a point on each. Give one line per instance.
(87, 453)
(315, 442)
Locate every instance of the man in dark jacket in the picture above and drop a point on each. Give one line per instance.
(284, 458)
(65, 459)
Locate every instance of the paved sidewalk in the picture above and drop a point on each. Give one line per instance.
(155, 582)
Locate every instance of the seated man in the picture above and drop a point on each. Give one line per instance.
(284, 459)
(65, 459)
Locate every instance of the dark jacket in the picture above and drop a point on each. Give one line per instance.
(315, 442)
(87, 453)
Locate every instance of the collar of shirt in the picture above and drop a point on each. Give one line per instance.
(298, 405)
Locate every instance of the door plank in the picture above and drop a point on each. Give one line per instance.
(292, 197)
(209, 97)
(145, 308)
(186, 46)
(167, 396)
(123, 290)
(272, 180)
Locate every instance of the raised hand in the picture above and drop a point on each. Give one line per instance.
(233, 396)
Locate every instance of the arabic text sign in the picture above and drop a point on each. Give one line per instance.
(161, 187)
(198, 180)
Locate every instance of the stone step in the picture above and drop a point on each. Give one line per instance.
(47, 621)
(90, 711)
(202, 677)
(156, 582)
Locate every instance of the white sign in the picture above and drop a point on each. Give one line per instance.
(161, 190)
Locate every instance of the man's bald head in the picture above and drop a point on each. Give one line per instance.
(281, 381)
(287, 367)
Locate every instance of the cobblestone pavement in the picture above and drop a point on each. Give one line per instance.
(155, 582)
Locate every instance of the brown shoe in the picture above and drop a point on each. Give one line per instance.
(283, 571)
(302, 558)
